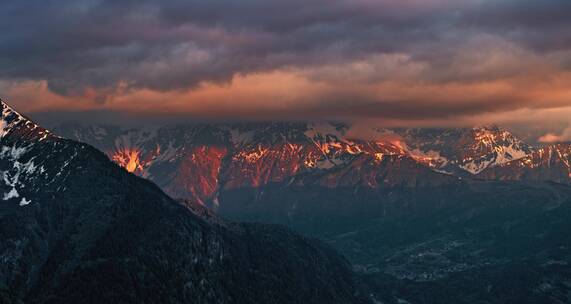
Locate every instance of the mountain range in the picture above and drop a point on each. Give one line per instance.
(77, 228)
(198, 161)
(470, 215)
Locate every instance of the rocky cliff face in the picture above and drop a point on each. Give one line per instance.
(200, 161)
(466, 151)
(77, 228)
(550, 163)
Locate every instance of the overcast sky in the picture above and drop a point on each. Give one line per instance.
(396, 62)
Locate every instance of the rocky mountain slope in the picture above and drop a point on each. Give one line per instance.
(198, 161)
(404, 208)
(466, 151)
(77, 228)
(551, 163)
(201, 160)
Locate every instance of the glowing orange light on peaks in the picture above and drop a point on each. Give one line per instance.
(128, 159)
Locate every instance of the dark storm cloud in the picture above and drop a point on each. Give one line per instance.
(542, 25)
(113, 46)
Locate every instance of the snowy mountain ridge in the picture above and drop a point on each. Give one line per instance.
(200, 160)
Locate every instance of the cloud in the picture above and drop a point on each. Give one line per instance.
(429, 60)
(550, 138)
(564, 136)
(368, 131)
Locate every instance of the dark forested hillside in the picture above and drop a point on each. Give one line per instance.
(76, 228)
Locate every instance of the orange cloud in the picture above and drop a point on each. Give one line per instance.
(550, 138)
(296, 93)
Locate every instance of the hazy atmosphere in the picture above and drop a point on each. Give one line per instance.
(424, 63)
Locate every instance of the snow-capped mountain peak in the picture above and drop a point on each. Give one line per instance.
(202, 160)
(23, 173)
(13, 122)
(466, 151)
(489, 146)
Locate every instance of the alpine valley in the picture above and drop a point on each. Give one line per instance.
(471, 215)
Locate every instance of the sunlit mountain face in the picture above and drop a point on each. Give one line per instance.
(199, 161)
(552, 162)
(128, 159)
